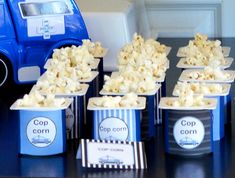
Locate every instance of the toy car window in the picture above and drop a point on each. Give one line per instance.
(32, 9)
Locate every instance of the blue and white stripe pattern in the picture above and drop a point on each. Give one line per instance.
(79, 111)
(129, 116)
(139, 155)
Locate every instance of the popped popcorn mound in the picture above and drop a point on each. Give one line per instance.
(141, 64)
(35, 99)
(54, 84)
(187, 98)
(67, 63)
(74, 55)
(209, 73)
(141, 56)
(129, 82)
(198, 88)
(94, 48)
(203, 52)
(79, 72)
(128, 100)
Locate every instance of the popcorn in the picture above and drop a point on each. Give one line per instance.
(94, 48)
(63, 85)
(141, 64)
(129, 100)
(198, 88)
(80, 72)
(35, 99)
(68, 65)
(209, 73)
(80, 55)
(144, 56)
(161, 48)
(129, 81)
(187, 99)
(74, 56)
(203, 52)
(192, 94)
(155, 69)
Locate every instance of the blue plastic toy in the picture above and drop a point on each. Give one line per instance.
(30, 30)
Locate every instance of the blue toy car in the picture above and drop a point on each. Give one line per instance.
(30, 30)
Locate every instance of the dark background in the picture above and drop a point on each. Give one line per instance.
(217, 165)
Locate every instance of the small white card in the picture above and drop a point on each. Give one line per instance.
(113, 154)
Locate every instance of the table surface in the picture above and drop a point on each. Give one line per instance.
(220, 164)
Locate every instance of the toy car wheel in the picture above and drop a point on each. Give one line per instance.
(4, 72)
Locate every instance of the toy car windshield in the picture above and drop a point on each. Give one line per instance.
(32, 9)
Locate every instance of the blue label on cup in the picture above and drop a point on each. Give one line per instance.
(113, 128)
(188, 132)
(41, 132)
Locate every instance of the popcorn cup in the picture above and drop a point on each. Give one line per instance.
(100, 78)
(90, 93)
(42, 130)
(188, 130)
(75, 118)
(119, 124)
(181, 51)
(168, 50)
(183, 65)
(228, 108)
(227, 98)
(75, 113)
(160, 93)
(185, 76)
(94, 65)
(149, 114)
(101, 69)
(220, 112)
